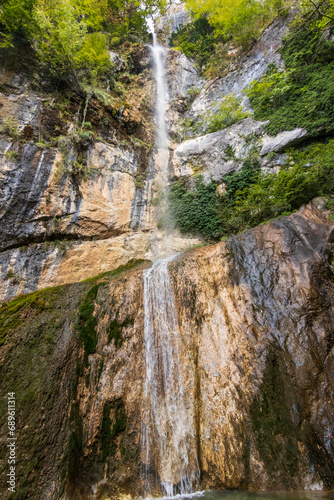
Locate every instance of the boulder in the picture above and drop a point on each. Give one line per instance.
(283, 141)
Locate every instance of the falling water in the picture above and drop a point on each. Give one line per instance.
(158, 53)
(168, 441)
(167, 421)
(160, 243)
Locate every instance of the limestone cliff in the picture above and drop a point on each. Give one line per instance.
(76, 202)
(79, 228)
(256, 320)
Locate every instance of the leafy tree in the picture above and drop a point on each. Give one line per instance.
(65, 44)
(243, 20)
(16, 20)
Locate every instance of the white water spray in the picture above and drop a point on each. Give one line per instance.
(167, 434)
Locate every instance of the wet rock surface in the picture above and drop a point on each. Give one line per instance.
(256, 325)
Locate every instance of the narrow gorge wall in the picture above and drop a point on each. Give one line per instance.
(255, 316)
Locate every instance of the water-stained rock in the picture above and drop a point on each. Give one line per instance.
(256, 322)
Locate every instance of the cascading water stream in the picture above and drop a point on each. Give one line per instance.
(168, 441)
(168, 420)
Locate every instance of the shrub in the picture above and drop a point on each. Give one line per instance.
(303, 94)
(196, 210)
(253, 197)
(229, 112)
(196, 39)
(10, 127)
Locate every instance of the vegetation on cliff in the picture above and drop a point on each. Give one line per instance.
(72, 37)
(252, 197)
(46, 337)
(217, 26)
(301, 95)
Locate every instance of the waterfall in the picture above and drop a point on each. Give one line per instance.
(168, 427)
(161, 243)
(168, 440)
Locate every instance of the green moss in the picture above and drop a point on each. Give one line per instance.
(275, 432)
(12, 315)
(110, 429)
(45, 379)
(114, 331)
(131, 264)
(74, 447)
(87, 322)
(30, 361)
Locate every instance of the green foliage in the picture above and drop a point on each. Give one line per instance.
(312, 174)
(16, 20)
(229, 112)
(11, 155)
(10, 127)
(67, 47)
(10, 275)
(196, 210)
(71, 37)
(87, 323)
(302, 95)
(196, 39)
(246, 176)
(253, 197)
(241, 20)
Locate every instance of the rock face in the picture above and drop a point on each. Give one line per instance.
(256, 325)
(282, 141)
(77, 205)
(208, 154)
(251, 67)
(176, 17)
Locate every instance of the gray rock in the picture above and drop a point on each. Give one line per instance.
(176, 16)
(207, 154)
(181, 75)
(117, 61)
(320, 202)
(251, 68)
(282, 141)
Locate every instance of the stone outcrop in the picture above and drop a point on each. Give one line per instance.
(208, 154)
(256, 321)
(283, 141)
(66, 192)
(175, 17)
